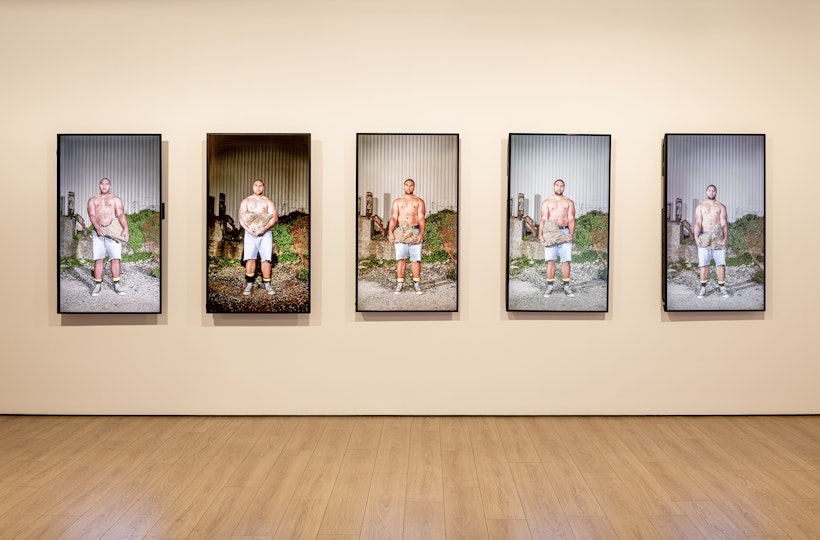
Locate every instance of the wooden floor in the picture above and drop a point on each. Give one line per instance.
(409, 477)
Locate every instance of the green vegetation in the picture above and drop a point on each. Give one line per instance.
(746, 237)
(681, 265)
(585, 256)
(432, 229)
(143, 229)
(443, 223)
(285, 233)
(373, 262)
(518, 264)
(67, 263)
(139, 256)
(223, 261)
(283, 243)
(584, 227)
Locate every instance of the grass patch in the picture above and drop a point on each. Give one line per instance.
(518, 265)
(223, 261)
(136, 257)
(67, 263)
(143, 227)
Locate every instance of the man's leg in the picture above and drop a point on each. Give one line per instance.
(250, 274)
(115, 276)
(550, 271)
(565, 270)
(704, 277)
(266, 272)
(550, 277)
(98, 271)
(415, 268)
(721, 277)
(401, 268)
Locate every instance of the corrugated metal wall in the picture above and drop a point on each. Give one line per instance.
(735, 164)
(131, 162)
(282, 161)
(385, 161)
(536, 161)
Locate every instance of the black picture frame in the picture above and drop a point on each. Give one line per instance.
(536, 163)
(235, 162)
(132, 166)
(384, 163)
(732, 169)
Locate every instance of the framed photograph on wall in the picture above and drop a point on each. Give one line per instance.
(558, 222)
(258, 223)
(714, 217)
(407, 189)
(109, 213)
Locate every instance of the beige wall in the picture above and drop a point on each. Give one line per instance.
(635, 69)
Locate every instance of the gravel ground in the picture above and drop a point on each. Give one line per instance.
(744, 294)
(142, 290)
(225, 285)
(376, 286)
(526, 290)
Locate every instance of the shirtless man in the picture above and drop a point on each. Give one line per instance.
(257, 214)
(406, 230)
(561, 211)
(106, 238)
(711, 232)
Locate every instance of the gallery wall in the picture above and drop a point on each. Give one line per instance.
(635, 70)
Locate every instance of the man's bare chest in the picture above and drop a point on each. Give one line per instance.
(257, 205)
(104, 204)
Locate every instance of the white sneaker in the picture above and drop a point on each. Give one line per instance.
(548, 291)
(268, 288)
(399, 287)
(97, 289)
(119, 289)
(568, 291)
(702, 291)
(247, 291)
(724, 292)
(417, 287)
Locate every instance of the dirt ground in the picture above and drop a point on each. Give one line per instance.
(142, 290)
(744, 294)
(225, 285)
(526, 290)
(376, 285)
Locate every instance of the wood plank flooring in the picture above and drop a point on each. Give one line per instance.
(383, 478)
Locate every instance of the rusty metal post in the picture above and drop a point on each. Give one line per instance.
(70, 204)
(520, 205)
(222, 209)
(678, 209)
(369, 204)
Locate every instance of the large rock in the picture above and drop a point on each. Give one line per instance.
(256, 220)
(405, 234)
(712, 239)
(114, 231)
(553, 234)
